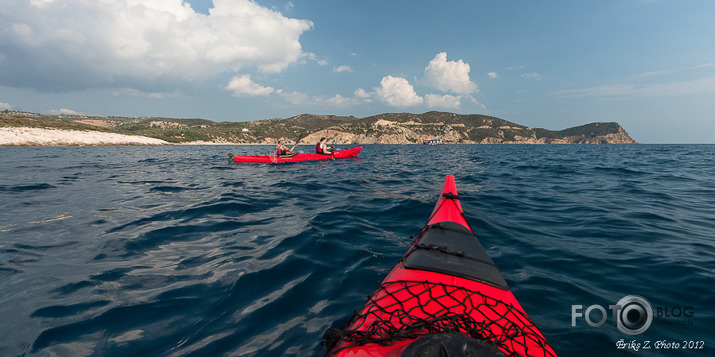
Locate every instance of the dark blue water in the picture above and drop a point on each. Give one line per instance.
(175, 251)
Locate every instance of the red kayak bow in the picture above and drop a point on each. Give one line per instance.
(446, 297)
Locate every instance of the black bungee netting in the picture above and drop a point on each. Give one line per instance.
(405, 310)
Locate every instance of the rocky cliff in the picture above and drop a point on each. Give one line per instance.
(404, 128)
(390, 128)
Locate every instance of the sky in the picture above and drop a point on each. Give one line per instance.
(646, 64)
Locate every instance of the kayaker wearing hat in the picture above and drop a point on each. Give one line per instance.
(282, 149)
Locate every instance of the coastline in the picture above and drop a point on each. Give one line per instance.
(30, 136)
(24, 136)
(388, 128)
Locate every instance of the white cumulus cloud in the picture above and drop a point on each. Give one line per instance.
(336, 100)
(148, 45)
(363, 95)
(343, 68)
(443, 101)
(397, 92)
(244, 86)
(5, 106)
(492, 75)
(65, 111)
(449, 76)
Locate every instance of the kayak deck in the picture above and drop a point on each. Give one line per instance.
(446, 289)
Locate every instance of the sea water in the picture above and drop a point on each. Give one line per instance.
(177, 251)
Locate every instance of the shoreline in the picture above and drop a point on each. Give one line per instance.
(28, 136)
(24, 136)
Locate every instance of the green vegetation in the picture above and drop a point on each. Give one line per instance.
(413, 127)
(44, 121)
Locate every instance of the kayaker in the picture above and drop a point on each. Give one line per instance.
(322, 148)
(282, 149)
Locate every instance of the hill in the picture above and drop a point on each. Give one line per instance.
(390, 128)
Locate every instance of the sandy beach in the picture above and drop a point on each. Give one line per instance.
(55, 137)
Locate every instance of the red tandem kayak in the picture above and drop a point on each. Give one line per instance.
(446, 297)
(339, 154)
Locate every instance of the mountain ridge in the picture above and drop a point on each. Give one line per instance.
(387, 128)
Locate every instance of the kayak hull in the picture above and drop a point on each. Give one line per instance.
(445, 286)
(339, 154)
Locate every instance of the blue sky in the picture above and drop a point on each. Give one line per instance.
(647, 64)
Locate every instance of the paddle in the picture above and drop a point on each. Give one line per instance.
(332, 151)
(296, 142)
(291, 153)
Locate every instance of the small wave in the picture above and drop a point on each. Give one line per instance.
(51, 219)
(25, 246)
(73, 287)
(172, 189)
(67, 310)
(25, 188)
(143, 182)
(6, 272)
(146, 254)
(620, 171)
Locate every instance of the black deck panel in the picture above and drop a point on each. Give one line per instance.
(452, 249)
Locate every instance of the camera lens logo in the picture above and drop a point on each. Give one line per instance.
(634, 316)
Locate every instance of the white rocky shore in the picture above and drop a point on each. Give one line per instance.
(10, 136)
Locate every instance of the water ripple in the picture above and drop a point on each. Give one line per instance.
(175, 251)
